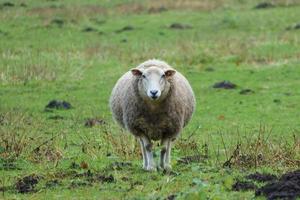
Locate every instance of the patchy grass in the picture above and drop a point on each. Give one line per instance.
(75, 51)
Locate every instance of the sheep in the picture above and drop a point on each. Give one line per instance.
(153, 102)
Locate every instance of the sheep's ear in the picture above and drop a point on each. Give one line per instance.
(136, 72)
(170, 73)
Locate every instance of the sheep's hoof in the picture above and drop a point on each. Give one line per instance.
(150, 168)
(167, 168)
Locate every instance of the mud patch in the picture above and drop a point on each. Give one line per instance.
(126, 28)
(264, 5)
(243, 186)
(246, 91)
(262, 177)
(93, 122)
(287, 187)
(27, 184)
(180, 26)
(225, 85)
(58, 104)
(192, 159)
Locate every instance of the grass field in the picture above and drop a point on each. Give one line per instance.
(76, 50)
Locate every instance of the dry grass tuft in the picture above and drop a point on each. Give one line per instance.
(20, 136)
(261, 150)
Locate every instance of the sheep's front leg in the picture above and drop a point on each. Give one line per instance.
(143, 148)
(146, 144)
(165, 155)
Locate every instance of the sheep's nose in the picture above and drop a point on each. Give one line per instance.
(153, 92)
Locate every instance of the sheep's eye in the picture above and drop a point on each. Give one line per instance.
(143, 76)
(163, 76)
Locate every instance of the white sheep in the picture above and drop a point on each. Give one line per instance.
(153, 102)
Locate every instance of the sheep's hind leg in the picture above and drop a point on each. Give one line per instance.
(148, 154)
(165, 154)
(143, 148)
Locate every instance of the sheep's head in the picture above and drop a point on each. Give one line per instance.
(154, 82)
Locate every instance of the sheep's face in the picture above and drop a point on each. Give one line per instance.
(154, 82)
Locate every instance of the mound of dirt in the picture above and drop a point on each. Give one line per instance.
(27, 183)
(264, 5)
(262, 177)
(225, 85)
(58, 104)
(243, 186)
(287, 187)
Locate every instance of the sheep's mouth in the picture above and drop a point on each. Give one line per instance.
(153, 98)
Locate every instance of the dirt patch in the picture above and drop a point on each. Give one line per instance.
(225, 85)
(180, 26)
(58, 104)
(287, 187)
(243, 186)
(262, 177)
(246, 91)
(93, 122)
(27, 183)
(264, 5)
(192, 159)
(125, 28)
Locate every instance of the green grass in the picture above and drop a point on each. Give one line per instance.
(41, 60)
